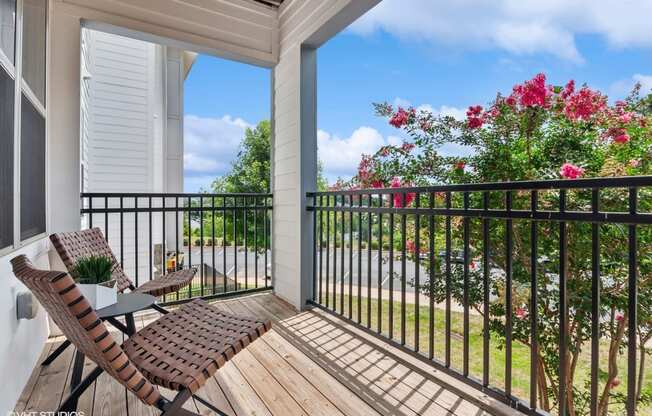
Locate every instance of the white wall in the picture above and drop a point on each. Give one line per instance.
(304, 25)
(22, 341)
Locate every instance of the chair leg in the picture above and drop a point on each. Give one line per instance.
(175, 407)
(70, 404)
(61, 348)
(209, 405)
(160, 309)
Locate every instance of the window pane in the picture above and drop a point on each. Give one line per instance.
(6, 160)
(8, 27)
(34, 46)
(32, 171)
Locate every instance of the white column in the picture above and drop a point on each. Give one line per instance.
(295, 173)
(63, 122)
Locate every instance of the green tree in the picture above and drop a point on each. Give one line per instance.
(250, 172)
(538, 132)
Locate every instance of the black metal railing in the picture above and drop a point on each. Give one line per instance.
(479, 274)
(225, 236)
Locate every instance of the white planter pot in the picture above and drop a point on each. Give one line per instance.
(99, 296)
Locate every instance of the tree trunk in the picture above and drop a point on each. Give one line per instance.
(616, 340)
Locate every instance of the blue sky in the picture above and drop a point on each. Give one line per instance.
(421, 52)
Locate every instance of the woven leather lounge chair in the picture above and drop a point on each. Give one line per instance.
(179, 351)
(73, 246)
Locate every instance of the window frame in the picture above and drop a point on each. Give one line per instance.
(21, 87)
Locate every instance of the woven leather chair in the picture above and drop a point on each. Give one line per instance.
(76, 245)
(179, 351)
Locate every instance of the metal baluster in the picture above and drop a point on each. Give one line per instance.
(224, 278)
(176, 237)
(201, 247)
(379, 301)
(90, 208)
(534, 289)
(256, 214)
(465, 295)
(151, 243)
(447, 352)
(328, 248)
(106, 218)
(321, 245)
(342, 258)
(245, 231)
(563, 307)
(509, 248)
(431, 279)
(390, 310)
(350, 255)
(335, 254)
(360, 259)
(235, 243)
(214, 290)
(595, 303)
(632, 301)
(485, 286)
(369, 220)
(403, 267)
(122, 235)
(417, 271)
(135, 238)
(314, 247)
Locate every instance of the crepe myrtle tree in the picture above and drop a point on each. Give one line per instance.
(538, 131)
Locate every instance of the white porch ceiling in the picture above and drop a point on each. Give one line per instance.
(244, 30)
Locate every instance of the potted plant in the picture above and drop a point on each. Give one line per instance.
(93, 275)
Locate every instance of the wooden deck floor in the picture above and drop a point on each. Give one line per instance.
(311, 363)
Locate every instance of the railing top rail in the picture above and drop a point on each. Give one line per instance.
(588, 183)
(169, 195)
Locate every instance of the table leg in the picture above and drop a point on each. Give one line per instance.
(131, 324)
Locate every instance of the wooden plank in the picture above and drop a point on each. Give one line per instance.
(275, 397)
(33, 379)
(241, 395)
(362, 363)
(50, 385)
(304, 393)
(343, 398)
(450, 385)
(212, 393)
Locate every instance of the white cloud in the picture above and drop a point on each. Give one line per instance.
(623, 87)
(516, 26)
(341, 156)
(210, 146)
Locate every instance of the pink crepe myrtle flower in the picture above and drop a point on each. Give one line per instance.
(634, 163)
(377, 184)
(568, 90)
(615, 382)
(407, 147)
(474, 116)
(570, 171)
(521, 313)
(619, 317)
(583, 104)
(401, 117)
(532, 93)
(398, 198)
(622, 138)
(460, 165)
